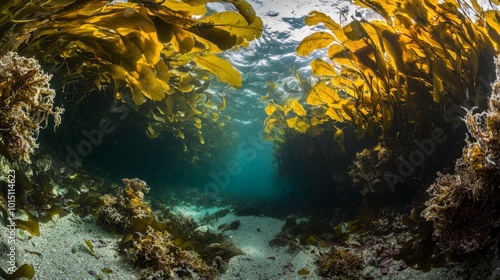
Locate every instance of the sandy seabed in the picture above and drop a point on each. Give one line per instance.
(60, 252)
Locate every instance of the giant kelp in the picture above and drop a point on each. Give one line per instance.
(301, 140)
(393, 78)
(142, 51)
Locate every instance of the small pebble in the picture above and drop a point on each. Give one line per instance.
(384, 271)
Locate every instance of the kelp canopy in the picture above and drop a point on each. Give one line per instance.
(159, 53)
(392, 78)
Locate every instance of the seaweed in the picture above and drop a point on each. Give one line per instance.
(162, 55)
(26, 103)
(24, 271)
(90, 247)
(390, 70)
(340, 264)
(464, 206)
(392, 80)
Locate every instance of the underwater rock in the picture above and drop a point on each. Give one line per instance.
(234, 225)
(465, 207)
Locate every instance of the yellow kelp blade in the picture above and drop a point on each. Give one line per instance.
(236, 25)
(322, 68)
(245, 9)
(197, 123)
(334, 114)
(316, 17)
(438, 90)
(270, 108)
(292, 122)
(215, 39)
(135, 87)
(196, 2)
(394, 47)
(387, 114)
(180, 134)
(32, 227)
(219, 67)
(187, 9)
(338, 136)
(441, 69)
(298, 124)
(315, 131)
(25, 271)
(30, 13)
(322, 94)
(182, 40)
(297, 108)
(151, 133)
(222, 105)
(152, 88)
(158, 118)
(313, 42)
(136, 25)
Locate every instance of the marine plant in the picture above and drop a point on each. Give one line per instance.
(35, 203)
(367, 171)
(298, 152)
(26, 103)
(126, 210)
(464, 207)
(286, 114)
(162, 259)
(25, 271)
(393, 80)
(338, 263)
(393, 77)
(160, 53)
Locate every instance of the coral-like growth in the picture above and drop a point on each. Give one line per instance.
(162, 259)
(465, 206)
(368, 170)
(121, 210)
(340, 264)
(26, 102)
